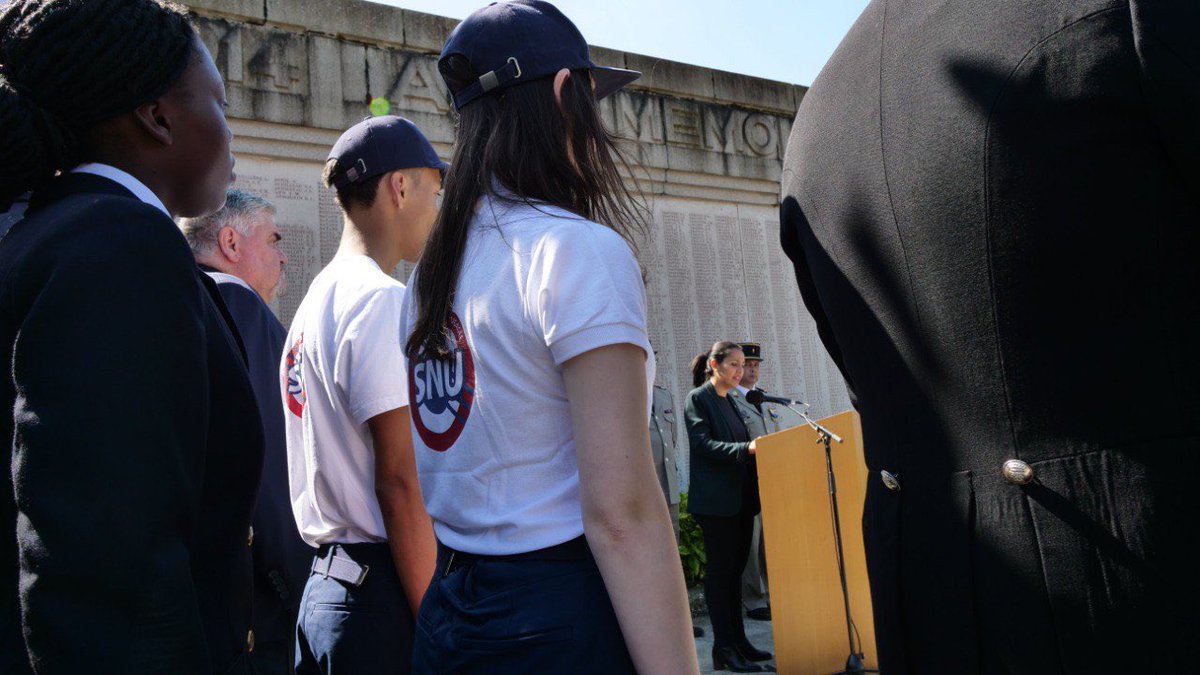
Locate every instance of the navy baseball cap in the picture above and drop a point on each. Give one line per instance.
(511, 43)
(378, 145)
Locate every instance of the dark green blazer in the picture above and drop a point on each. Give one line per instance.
(720, 468)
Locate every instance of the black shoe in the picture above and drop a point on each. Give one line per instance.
(751, 652)
(728, 658)
(759, 614)
(697, 631)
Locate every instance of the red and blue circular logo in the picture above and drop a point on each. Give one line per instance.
(440, 393)
(293, 384)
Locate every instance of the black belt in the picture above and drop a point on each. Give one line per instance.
(350, 562)
(575, 549)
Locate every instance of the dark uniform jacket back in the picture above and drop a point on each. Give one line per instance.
(992, 206)
(136, 445)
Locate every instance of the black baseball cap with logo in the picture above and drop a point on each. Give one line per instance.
(378, 145)
(511, 43)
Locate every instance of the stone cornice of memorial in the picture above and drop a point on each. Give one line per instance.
(297, 73)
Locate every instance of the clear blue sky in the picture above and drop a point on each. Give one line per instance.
(786, 40)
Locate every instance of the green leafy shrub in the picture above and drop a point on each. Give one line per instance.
(691, 546)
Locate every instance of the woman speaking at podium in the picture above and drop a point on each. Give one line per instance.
(723, 498)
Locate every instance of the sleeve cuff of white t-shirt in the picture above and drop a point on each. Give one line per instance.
(594, 337)
(379, 406)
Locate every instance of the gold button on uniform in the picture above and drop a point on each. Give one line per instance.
(1017, 472)
(250, 641)
(890, 480)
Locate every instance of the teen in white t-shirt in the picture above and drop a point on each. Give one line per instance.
(343, 367)
(539, 286)
(353, 480)
(530, 374)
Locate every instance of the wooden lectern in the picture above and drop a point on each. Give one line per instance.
(807, 609)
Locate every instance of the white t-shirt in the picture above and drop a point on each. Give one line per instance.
(492, 430)
(343, 365)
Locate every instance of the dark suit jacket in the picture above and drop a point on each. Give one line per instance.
(281, 558)
(720, 469)
(13, 214)
(136, 445)
(992, 207)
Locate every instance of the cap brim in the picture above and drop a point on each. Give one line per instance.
(609, 80)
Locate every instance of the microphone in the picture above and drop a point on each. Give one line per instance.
(756, 397)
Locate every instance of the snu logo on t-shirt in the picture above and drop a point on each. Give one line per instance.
(294, 381)
(441, 392)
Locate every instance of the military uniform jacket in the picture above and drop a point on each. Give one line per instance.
(663, 443)
(136, 445)
(759, 423)
(992, 210)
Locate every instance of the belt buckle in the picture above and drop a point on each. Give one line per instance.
(362, 574)
(321, 565)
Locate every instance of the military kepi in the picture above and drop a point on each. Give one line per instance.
(378, 145)
(752, 351)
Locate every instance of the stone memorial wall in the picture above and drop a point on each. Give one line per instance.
(706, 145)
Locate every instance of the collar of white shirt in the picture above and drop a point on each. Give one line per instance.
(742, 390)
(223, 278)
(137, 187)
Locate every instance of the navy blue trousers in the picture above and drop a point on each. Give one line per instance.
(542, 612)
(355, 630)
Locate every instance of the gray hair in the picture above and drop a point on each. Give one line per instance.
(239, 212)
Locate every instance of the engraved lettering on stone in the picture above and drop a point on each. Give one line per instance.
(417, 86)
(683, 125)
(231, 45)
(272, 65)
(224, 42)
(760, 134)
(354, 73)
(639, 117)
(717, 124)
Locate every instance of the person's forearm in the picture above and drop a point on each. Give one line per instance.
(640, 566)
(410, 537)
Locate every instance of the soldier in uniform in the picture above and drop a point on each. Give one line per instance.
(663, 440)
(761, 420)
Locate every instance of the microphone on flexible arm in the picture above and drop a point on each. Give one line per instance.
(756, 397)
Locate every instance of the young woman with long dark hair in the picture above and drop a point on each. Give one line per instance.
(723, 498)
(529, 374)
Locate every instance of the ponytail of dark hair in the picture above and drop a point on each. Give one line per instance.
(518, 138)
(68, 65)
(701, 370)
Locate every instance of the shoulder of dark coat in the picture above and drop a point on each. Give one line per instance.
(243, 302)
(101, 234)
(120, 225)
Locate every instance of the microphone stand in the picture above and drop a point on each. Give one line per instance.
(855, 665)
